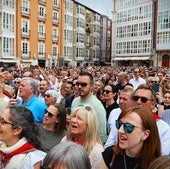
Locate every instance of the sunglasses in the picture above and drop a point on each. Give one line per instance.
(143, 99)
(107, 91)
(88, 108)
(3, 121)
(128, 128)
(47, 95)
(17, 82)
(153, 81)
(82, 84)
(49, 114)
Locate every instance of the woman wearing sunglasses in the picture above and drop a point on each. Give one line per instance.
(138, 141)
(83, 129)
(110, 97)
(53, 128)
(19, 147)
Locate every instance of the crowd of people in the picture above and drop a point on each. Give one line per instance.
(94, 117)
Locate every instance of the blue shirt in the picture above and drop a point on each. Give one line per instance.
(37, 106)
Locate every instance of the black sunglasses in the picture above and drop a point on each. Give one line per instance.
(153, 81)
(47, 95)
(128, 128)
(107, 91)
(16, 82)
(50, 114)
(143, 99)
(82, 84)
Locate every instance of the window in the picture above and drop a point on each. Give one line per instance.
(41, 50)
(55, 2)
(8, 47)
(25, 6)
(41, 30)
(25, 26)
(55, 34)
(41, 12)
(25, 49)
(55, 50)
(79, 52)
(55, 16)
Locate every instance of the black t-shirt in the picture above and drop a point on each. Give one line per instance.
(119, 87)
(119, 162)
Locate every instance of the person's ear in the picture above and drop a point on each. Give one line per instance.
(17, 131)
(145, 135)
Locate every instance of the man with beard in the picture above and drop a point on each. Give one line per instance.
(84, 85)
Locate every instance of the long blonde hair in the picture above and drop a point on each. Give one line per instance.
(88, 115)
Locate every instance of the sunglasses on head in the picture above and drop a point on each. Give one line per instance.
(128, 128)
(49, 114)
(82, 84)
(143, 99)
(106, 91)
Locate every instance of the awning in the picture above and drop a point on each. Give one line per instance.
(131, 58)
(9, 61)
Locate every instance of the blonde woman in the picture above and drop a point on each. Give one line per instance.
(83, 129)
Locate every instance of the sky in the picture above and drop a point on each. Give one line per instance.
(102, 6)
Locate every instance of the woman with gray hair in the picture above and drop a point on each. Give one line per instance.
(67, 155)
(19, 139)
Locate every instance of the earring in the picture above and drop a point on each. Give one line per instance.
(142, 139)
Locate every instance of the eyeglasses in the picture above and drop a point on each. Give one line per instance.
(49, 114)
(107, 91)
(3, 121)
(47, 95)
(82, 84)
(128, 128)
(143, 99)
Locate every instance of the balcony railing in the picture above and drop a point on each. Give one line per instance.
(55, 38)
(42, 17)
(56, 21)
(41, 36)
(25, 11)
(25, 33)
(42, 2)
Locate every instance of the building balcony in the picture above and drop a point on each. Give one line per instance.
(57, 7)
(25, 33)
(87, 57)
(55, 21)
(25, 11)
(55, 39)
(43, 2)
(87, 44)
(41, 36)
(25, 54)
(42, 17)
(41, 55)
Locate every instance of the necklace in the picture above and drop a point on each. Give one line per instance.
(125, 163)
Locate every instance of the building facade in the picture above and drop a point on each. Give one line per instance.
(53, 32)
(141, 32)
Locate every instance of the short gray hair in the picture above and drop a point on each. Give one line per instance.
(69, 155)
(32, 82)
